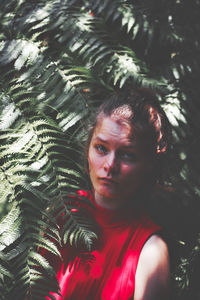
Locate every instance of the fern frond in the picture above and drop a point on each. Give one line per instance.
(78, 229)
(59, 60)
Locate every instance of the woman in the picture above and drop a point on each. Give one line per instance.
(125, 151)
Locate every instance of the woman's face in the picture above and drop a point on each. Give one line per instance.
(118, 164)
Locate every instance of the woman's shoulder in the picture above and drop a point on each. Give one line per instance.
(153, 271)
(156, 249)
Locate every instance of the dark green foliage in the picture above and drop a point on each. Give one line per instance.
(58, 60)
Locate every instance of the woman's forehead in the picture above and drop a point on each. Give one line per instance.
(114, 128)
(120, 130)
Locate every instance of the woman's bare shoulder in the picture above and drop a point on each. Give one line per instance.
(153, 271)
(155, 246)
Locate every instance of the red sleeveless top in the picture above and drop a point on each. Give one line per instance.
(108, 273)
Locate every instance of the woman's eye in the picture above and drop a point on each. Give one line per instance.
(128, 156)
(101, 149)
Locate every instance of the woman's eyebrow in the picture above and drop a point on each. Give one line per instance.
(128, 148)
(100, 139)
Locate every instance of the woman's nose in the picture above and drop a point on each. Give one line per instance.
(110, 163)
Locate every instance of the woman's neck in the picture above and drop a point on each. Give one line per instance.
(112, 203)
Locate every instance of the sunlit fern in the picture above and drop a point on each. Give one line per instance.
(58, 60)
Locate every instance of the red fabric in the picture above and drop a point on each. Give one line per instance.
(107, 273)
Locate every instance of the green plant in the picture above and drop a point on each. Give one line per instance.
(58, 60)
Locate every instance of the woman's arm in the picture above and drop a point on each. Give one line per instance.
(153, 272)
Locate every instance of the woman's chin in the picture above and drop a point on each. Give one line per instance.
(107, 192)
(105, 195)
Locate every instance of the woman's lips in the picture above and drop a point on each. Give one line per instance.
(107, 180)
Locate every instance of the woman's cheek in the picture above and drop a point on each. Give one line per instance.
(93, 165)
